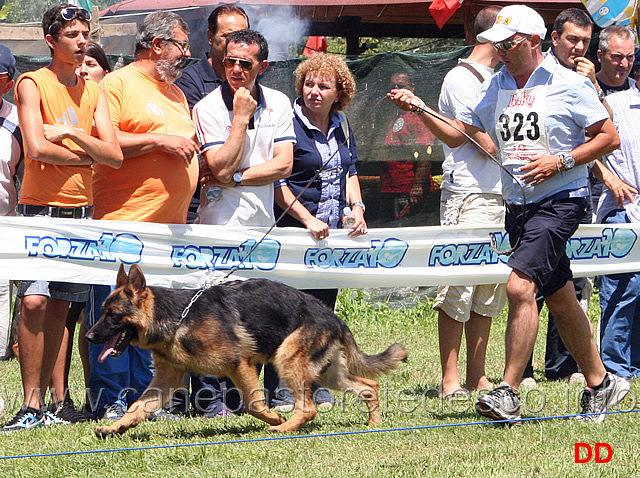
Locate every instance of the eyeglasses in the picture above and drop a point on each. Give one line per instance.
(70, 13)
(184, 45)
(617, 58)
(230, 62)
(508, 44)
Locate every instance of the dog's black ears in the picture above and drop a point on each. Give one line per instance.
(135, 278)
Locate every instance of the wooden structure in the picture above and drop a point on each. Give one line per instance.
(28, 40)
(351, 19)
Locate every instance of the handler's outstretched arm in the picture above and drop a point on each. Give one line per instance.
(443, 128)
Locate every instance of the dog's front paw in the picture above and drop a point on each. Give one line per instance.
(104, 432)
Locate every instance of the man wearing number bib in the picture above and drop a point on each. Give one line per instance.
(537, 113)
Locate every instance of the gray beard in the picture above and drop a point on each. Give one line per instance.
(168, 71)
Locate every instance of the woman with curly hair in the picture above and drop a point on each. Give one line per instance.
(325, 151)
(325, 86)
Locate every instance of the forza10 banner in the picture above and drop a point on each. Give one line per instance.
(189, 256)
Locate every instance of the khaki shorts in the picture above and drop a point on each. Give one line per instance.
(459, 301)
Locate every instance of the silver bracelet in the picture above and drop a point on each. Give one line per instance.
(359, 203)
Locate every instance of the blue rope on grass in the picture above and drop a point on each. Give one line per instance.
(321, 435)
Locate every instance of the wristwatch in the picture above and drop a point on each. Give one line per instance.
(361, 204)
(601, 95)
(566, 161)
(237, 177)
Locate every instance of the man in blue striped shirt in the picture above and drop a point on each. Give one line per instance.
(537, 112)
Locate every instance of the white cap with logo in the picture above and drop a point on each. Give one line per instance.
(514, 19)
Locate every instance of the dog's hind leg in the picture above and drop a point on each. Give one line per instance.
(304, 412)
(245, 378)
(295, 369)
(368, 390)
(165, 381)
(337, 377)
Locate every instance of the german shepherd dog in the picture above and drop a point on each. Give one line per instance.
(230, 328)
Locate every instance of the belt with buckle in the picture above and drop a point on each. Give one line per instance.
(82, 212)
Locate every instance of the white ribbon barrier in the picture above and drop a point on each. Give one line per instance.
(184, 256)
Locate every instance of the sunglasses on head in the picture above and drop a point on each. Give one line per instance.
(230, 62)
(508, 44)
(70, 13)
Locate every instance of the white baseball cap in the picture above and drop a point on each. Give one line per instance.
(514, 19)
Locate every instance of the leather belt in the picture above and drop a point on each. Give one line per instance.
(82, 212)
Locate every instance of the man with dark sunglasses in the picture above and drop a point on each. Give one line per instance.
(570, 38)
(66, 130)
(537, 112)
(247, 137)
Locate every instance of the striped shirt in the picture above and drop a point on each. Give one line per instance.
(624, 162)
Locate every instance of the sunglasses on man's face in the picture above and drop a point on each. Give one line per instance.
(230, 62)
(70, 13)
(508, 44)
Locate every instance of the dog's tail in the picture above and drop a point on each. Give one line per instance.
(370, 366)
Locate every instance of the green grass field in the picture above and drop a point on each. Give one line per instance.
(459, 442)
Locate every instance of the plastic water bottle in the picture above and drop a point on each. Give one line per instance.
(349, 219)
(213, 192)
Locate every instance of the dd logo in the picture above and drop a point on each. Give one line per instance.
(596, 452)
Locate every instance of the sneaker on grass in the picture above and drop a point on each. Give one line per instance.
(596, 403)
(501, 403)
(223, 412)
(66, 412)
(112, 412)
(50, 418)
(26, 419)
(164, 414)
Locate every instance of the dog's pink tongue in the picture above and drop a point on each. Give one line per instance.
(108, 348)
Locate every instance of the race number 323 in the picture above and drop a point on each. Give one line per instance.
(518, 127)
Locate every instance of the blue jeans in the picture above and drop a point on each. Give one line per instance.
(620, 316)
(118, 380)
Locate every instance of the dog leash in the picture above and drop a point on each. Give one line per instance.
(421, 108)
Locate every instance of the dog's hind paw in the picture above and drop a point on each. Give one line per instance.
(276, 429)
(104, 432)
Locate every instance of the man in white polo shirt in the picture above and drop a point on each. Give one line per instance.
(247, 137)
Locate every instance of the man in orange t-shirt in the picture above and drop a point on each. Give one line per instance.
(153, 124)
(155, 183)
(56, 110)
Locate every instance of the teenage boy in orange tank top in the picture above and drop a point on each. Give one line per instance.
(57, 110)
